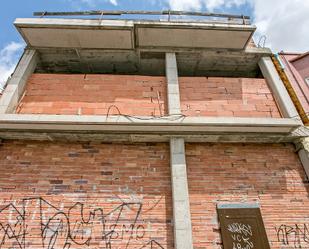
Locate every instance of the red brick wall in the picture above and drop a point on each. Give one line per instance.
(75, 193)
(93, 94)
(268, 174)
(145, 95)
(228, 97)
(69, 187)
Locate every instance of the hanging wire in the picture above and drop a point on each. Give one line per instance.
(173, 117)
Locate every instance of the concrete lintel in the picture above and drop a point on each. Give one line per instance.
(237, 205)
(17, 82)
(173, 95)
(279, 91)
(181, 202)
(171, 124)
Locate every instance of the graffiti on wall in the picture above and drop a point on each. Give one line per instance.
(296, 236)
(37, 223)
(241, 235)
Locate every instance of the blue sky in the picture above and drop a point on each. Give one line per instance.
(284, 22)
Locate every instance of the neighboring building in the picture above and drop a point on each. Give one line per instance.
(296, 67)
(145, 134)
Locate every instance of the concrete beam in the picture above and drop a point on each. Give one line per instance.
(173, 95)
(278, 89)
(181, 201)
(169, 124)
(117, 137)
(303, 154)
(16, 84)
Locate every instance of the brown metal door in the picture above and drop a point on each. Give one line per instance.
(242, 228)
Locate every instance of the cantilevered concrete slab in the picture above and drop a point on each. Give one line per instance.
(124, 34)
(66, 33)
(202, 37)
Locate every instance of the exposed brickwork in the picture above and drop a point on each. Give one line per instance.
(93, 94)
(145, 95)
(97, 178)
(228, 97)
(268, 174)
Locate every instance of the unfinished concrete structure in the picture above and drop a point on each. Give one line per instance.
(135, 134)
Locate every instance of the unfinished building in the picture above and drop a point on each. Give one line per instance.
(120, 133)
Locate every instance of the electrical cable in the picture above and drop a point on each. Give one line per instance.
(130, 117)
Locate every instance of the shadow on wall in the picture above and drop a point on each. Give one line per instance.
(270, 175)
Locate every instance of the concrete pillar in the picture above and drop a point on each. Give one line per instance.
(278, 89)
(16, 84)
(172, 84)
(303, 154)
(181, 202)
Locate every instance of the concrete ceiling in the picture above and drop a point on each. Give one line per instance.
(147, 62)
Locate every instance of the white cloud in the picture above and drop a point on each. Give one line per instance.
(284, 22)
(113, 2)
(210, 5)
(9, 56)
(93, 3)
(185, 4)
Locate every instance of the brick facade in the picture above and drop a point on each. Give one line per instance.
(93, 94)
(54, 182)
(74, 194)
(227, 97)
(271, 175)
(57, 195)
(146, 95)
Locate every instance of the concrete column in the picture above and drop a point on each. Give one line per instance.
(16, 84)
(172, 84)
(303, 154)
(181, 202)
(278, 89)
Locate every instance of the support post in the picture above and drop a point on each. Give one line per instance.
(303, 153)
(181, 201)
(17, 82)
(172, 84)
(278, 89)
